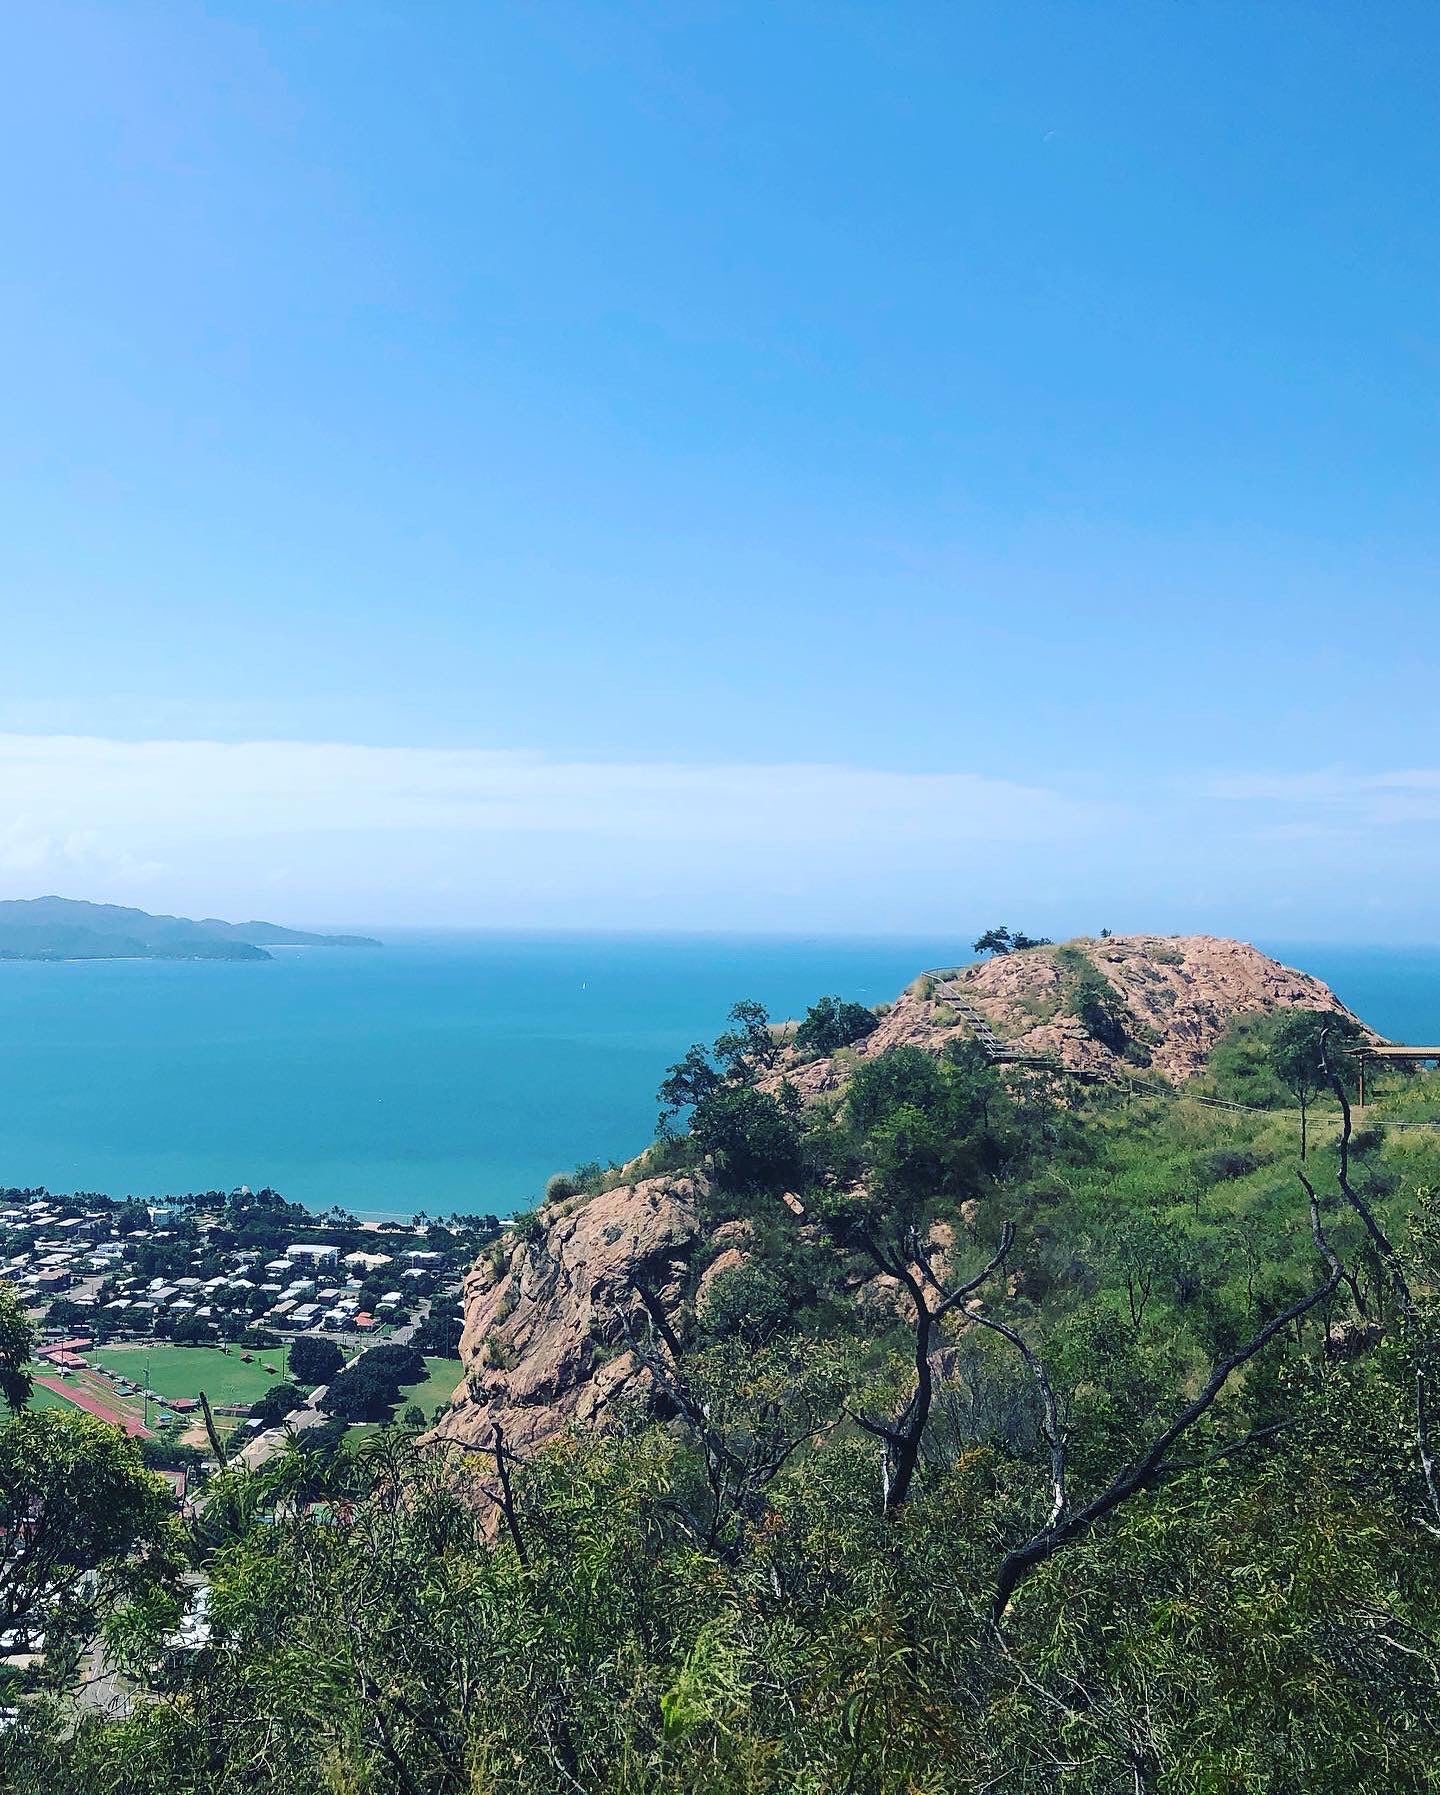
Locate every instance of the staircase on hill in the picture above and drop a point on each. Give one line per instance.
(998, 1052)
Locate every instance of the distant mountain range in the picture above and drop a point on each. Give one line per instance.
(53, 928)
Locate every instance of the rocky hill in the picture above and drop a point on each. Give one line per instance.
(544, 1345)
(1178, 994)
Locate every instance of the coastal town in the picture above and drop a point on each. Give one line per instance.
(148, 1311)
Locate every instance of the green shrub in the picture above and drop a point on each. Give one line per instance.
(832, 1023)
(749, 1302)
(1100, 1010)
(1227, 1163)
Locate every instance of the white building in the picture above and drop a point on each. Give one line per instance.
(367, 1261)
(303, 1253)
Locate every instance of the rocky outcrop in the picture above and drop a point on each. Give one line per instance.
(1180, 994)
(543, 1343)
(732, 1240)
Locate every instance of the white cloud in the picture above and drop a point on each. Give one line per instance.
(25, 847)
(1394, 791)
(89, 784)
(71, 805)
(345, 833)
(1348, 802)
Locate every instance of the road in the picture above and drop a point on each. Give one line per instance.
(265, 1445)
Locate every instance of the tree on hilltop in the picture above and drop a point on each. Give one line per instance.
(1008, 941)
(993, 941)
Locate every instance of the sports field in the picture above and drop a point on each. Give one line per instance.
(172, 1371)
(184, 1371)
(41, 1398)
(437, 1387)
(91, 1398)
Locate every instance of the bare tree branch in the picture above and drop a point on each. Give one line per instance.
(1055, 1436)
(902, 1438)
(503, 1455)
(1389, 1258)
(1257, 1436)
(1150, 1466)
(1325, 1250)
(1427, 1450)
(739, 1465)
(950, 1298)
(1399, 1283)
(658, 1318)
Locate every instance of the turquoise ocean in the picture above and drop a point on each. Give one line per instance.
(444, 1071)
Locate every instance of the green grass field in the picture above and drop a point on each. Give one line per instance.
(187, 1370)
(438, 1386)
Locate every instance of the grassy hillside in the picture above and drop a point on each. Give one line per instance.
(1003, 1433)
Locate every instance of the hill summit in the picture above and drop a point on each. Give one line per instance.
(542, 1345)
(1097, 1006)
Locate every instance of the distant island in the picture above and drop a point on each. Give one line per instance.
(54, 928)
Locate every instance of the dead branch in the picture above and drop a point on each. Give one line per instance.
(667, 1372)
(1018, 1563)
(1257, 1436)
(1399, 1283)
(901, 1439)
(503, 1456)
(1389, 1258)
(212, 1433)
(1325, 1250)
(1055, 1437)
(738, 1468)
(658, 1319)
(1427, 1450)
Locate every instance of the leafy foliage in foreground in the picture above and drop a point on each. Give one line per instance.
(732, 1593)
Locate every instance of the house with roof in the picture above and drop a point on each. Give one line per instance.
(367, 1262)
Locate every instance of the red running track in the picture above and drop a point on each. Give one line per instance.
(91, 1407)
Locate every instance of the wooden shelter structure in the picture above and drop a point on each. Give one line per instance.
(1392, 1055)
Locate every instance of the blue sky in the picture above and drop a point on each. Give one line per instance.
(702, 465)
